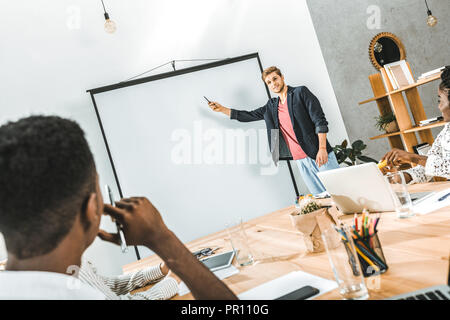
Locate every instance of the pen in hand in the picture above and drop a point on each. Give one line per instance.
(123, 244)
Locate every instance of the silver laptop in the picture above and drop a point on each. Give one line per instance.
(440, 292)
(357, 187)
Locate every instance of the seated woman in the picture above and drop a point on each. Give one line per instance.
(437, 160)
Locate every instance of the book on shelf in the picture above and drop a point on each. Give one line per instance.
(429, 121)
(431, 73)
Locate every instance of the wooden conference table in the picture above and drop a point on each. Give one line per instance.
(417, 251)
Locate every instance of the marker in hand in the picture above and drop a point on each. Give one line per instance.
(211, 104)
(123, 244)
(217, 107)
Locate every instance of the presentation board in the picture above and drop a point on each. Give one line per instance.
(201, 169)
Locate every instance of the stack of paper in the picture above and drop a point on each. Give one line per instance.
(286, 284)
(433, 202)
(431, 73)
(432, 120)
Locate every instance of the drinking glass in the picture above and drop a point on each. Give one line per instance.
(345, 263)
(239, 242)
(400, 194)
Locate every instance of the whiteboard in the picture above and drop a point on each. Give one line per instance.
(201, 169)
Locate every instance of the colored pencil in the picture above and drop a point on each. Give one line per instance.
(372, 256)
(367, 259)
(376, 224)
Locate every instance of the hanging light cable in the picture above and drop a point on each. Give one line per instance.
(431, 20)
(110, 26)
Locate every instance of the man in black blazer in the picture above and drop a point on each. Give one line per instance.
(297, 113)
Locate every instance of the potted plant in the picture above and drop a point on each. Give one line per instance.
(386, 122)
(349, 155)
(310, 219)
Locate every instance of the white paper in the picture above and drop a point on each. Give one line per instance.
(226, 272)
(322, 195)
(432, 203)
(432, 72)
(286, 284)
(221, 274)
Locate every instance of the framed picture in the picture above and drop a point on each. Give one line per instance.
(399, 74)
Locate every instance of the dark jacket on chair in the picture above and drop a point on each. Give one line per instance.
(306, 115)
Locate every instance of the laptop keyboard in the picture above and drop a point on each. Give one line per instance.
(431, 295)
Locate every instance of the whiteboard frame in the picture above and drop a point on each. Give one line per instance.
(156, 77)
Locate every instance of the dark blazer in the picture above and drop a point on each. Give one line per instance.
(307, 119)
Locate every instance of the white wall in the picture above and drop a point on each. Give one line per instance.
(51, 54)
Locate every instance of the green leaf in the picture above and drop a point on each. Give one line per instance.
(358, 145)
(351, 154)
(347, 152)
(337, 149)
(341, 158)
(367, 159)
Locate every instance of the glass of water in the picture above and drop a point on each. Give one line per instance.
(239, 242)
(400, 194)
(345, 263)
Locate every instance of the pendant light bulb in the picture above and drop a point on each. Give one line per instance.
(431, 20)
(110, 26)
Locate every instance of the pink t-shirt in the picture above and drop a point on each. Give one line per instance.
(288, 132)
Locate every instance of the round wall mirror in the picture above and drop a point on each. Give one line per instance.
(386, 48)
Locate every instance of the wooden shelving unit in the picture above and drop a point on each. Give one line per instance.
(418, 83)
(393, 100)
(429, 126)
(414, 129)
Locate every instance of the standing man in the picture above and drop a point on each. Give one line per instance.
(299, 116)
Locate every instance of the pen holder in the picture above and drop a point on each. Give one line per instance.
(371, 255)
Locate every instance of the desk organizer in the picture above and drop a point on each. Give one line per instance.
(370, 254)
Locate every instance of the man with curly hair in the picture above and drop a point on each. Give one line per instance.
(50, 212)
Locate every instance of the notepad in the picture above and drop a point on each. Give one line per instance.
(290, 282)
(432, 203)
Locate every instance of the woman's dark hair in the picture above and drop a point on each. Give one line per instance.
(445, 84)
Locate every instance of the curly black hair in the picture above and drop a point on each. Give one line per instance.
(445, 84)
(47, 173)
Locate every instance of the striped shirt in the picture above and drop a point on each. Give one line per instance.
(119, 287)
